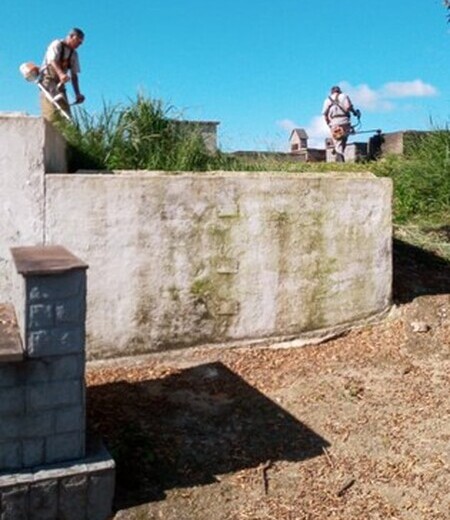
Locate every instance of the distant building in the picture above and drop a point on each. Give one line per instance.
(298, 140)
(206, 129)
(379, 145)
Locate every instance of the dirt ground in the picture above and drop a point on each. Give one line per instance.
(351, 429)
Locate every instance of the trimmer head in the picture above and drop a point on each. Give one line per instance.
(30, 71)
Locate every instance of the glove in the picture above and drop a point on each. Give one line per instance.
(357, 113)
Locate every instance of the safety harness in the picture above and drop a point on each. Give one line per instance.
(334, 102)
(65, 62)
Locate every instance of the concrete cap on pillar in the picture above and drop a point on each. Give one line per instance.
(41, 260)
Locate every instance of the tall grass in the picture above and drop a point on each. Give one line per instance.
(421, 178)
(141, 135)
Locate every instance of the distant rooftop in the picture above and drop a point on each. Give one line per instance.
(299, 132)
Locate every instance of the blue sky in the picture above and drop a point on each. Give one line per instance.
(259, 67)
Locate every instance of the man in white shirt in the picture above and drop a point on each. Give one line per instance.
(337, 108)
(60, 58)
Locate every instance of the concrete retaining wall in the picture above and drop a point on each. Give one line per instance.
(179, 260)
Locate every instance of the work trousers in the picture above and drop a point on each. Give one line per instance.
(340, 144)
(48, 109)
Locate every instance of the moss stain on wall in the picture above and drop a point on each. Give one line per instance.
(320, 272)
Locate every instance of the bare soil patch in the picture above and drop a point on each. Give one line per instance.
(355, 428)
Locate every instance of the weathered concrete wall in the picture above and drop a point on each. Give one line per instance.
(29, 146)
(178, 260)
(21, 187)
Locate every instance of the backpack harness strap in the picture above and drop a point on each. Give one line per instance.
(334, 102)
(65, 62)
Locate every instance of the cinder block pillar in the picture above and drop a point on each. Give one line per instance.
(42, 397)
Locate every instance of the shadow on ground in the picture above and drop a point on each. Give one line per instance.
(418, 272)
(183, 429)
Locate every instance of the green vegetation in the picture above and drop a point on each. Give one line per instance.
(145, 135)
(422, 191)
(139, 136)
(421, 179)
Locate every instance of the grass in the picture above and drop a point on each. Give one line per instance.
(145, 134)
(434, 238)
(421, 179)
(421, 205)
(139, 135)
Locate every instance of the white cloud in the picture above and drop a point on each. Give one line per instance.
(416, 88)
(317, 131)
(366, 98)
(379, 100)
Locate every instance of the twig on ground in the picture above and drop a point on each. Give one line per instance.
(345, 487)
(330, 462)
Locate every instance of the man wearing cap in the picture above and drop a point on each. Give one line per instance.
(337, 108)
(60, 58)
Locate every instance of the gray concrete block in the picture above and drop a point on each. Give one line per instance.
(43, 500)
(38, 425)
(73, 498)
(64, 447)
(37, 370)
(70, 311)
(54, 368)
(14, 503)
(10, 427)
(55, 342)
(10, 455)
(33, 452)
(68, 340)
(100, 495)
(9, 375)
(68, 367)
(40, 316)
(81, 490)
(12, 401)
(48, 396)
(55, 287)
(39, 343)
(71, 419)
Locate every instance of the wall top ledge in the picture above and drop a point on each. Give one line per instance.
(14, 114)
(45, 260)
(222, 174)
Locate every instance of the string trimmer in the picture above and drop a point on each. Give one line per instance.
(354, 130)
(373, 131)
(32, 73)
